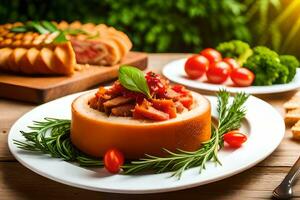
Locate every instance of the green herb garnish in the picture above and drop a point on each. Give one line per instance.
(133, 79)
(74, 31)
(230, 116)
(61, 37)
(94, 36)
(38, 27)
(52, 137)
(49, 26)
(19, 29)
(44, 27)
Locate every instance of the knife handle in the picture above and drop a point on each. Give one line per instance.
(284, 190)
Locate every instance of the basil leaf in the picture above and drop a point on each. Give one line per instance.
(19, 29)
(74, 31)
(49, 26)
(39, 28)
(94, 36)
(60, 38)
(133, 79)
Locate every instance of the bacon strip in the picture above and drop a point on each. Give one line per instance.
(124, 110)
(145, 110)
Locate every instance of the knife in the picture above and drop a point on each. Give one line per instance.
(284, 190)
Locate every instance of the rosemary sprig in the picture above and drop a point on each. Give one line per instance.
(52, 137)
(229, 118)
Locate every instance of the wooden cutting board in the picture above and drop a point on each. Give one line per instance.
(39, 89)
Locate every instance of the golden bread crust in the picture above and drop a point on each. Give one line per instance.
(94, 132)
(34, 53)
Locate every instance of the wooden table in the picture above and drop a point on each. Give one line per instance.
(17, 182)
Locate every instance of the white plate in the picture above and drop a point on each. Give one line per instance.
(262, 123)
(175, 72)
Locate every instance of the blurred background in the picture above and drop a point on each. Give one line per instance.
(176, 25)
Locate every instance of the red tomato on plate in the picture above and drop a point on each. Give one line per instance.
(113, 160)
(232, 63)
(196, 66)
(242, 77)
(235, 138)
(218, 72)
(212, 55)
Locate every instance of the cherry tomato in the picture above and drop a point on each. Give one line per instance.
(196, 66)
(235, 138)
(113, 160)
(218, 72)
(232, 63)
(242, 77)
(212, 55)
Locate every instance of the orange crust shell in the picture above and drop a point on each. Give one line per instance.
(93, 133)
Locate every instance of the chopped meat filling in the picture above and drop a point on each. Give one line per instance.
(166, 101)
(124, 110)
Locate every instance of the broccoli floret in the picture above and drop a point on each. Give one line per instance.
(283, 72)
(235, 49)
(292, 63)
(265, 64)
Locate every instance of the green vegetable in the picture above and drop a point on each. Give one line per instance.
(40, 27)
(269, 68)
(133, 79)
(19, 29)
(57, 144)
(230, 116)
(49, 26)
(60, 38)
(283, 72)
(44, 27)
(96, 35)
(52, 137)
(236, 49)
(265, 64)
(70, 31)
(292, 64)
(37, 27)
